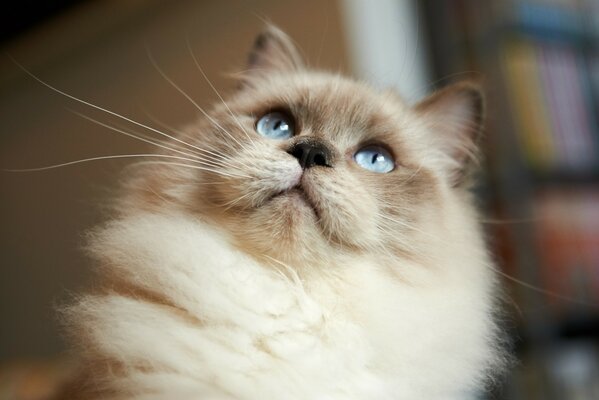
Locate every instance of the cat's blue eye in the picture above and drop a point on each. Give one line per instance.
(275, 125)
(375, 159)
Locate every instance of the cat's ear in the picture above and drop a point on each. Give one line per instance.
(273, 50)
(455, 116)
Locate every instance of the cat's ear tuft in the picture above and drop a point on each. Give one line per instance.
(273, 50)
(455, 115)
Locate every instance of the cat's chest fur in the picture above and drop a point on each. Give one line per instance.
(211, 323)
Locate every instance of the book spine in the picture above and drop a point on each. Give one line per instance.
(553, 89)
(528, 104)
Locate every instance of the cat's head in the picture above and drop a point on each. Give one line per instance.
(296, 164)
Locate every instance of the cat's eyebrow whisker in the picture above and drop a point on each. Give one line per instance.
(188, 97)
(196, 62)
(98, 107)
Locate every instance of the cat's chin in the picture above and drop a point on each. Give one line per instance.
(296, 200)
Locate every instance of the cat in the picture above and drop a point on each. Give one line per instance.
(309, 237)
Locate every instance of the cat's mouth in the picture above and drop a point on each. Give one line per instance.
(298, 196)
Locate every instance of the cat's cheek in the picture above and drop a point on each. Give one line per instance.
(255, 186)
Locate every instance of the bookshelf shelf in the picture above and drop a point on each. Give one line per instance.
(565, 178)
(579, 328)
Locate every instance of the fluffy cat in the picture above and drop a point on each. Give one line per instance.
(309, 238)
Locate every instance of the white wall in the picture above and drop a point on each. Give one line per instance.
(387, 44)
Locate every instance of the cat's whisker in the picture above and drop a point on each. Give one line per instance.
(135, 136)
(81, 101)
(161, 123)
(196, 62)
(150, 189)
(404, 240)
(543, 291)
(120, 156)
(491, 221)
(213, 152)
(509, 277)
(217, 154)
(386, 226)
(188, 97)
(215, 171)
(406, 225)
(200, 158)
(168, 129)
(230, 204)
(200, 183)
(90, 159)
(212, 160)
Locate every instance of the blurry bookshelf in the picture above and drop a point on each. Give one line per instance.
(539, 63)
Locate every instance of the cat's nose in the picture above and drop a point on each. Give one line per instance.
(311, 153)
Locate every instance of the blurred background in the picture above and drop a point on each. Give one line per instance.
(538, 60)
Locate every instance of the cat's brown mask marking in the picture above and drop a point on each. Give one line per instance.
(271, 207)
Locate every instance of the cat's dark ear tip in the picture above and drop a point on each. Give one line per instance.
(270, 31)
(273, 49)
(268, 34)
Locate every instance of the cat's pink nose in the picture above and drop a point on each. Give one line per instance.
(310, 153)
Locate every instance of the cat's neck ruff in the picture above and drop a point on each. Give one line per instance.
(216, 322)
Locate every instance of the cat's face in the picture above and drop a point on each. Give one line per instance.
(297, 163)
